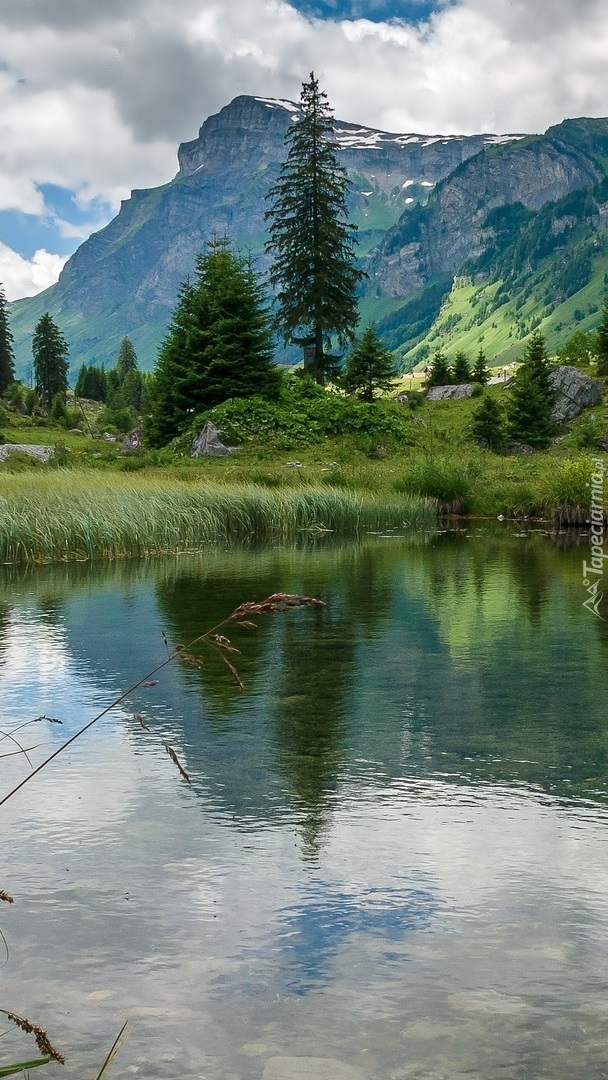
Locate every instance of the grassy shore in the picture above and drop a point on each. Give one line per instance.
(78, 514)
(101, 503)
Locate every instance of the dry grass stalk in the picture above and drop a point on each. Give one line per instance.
(43, 1042)
(176, 761)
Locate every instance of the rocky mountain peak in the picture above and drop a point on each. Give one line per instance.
(242, 125)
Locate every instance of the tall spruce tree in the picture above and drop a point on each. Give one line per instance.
(311, 240)
(369, 368)
(532, 397)
(7, 359)
(601, 342)
(51, 362)
(126, 359)
(218, 345)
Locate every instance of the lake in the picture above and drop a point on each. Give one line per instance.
(393, 859)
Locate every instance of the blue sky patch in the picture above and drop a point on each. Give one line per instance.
(411, 11)
(27, 233)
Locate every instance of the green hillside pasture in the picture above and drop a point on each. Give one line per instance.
(72, 514)
(469, 320)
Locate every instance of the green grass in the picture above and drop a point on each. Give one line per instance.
(112, 504)
(462, 324)
(76, 514)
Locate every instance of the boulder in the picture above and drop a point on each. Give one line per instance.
(41, 453)
(575, 392)
(132, 441)
(450, 393)
(208, 443)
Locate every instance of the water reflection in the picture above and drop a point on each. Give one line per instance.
(393, 854)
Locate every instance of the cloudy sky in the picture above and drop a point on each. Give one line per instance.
(94, 98)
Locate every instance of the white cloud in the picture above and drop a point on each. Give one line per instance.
(26, 277)
(96, 98)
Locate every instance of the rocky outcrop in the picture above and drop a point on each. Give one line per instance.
(40, 453)
(208, 443)
(450, 393)
(575, 392)
(452, 228)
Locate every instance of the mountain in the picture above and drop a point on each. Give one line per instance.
(124, 278)
(466, 240)
(513, 239)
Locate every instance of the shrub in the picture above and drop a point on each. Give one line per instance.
(439, 479)
(572, 485)
(303, 415)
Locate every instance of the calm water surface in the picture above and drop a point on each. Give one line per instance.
(393, 856)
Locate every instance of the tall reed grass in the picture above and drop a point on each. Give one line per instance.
(80, 515)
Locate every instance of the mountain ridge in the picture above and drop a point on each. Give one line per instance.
(423, 205)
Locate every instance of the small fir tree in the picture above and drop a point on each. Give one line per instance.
(439, 372)
(461, 372)
(126, 360)
(218, 345)
(7, 359)
(51, 362)
(488, 426)
(370, 368)
(311, 241)
(580, 348)
(532, 398)
(601, 342)
(480, 373)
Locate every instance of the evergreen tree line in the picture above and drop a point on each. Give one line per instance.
(123, 389)
(442, 373)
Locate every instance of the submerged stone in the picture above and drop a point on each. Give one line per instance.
(307, 1068)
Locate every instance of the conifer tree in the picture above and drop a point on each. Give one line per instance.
(218, 344)
(480, 373)
(461, 372)
(487, 426)
(311, 241)
(439, 372)
(51, 362)
(369, 367)
(601, 342)
(7, 360)
(532, 397)
(126, 359)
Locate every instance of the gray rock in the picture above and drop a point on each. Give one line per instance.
(450, 393)
(208, 443)
(576, 392)
(133, 441)
(520, 448)
(41, 453)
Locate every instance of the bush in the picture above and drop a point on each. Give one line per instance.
(439, 479)
(304, 414)
(588, 432)
(572, 485)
